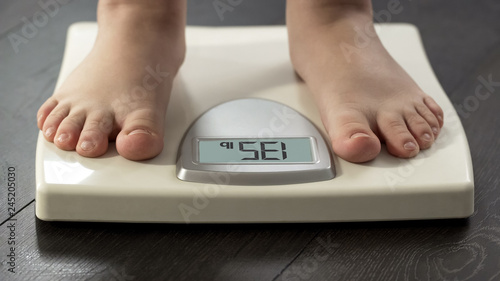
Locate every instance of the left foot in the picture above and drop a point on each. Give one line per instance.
(363, 98)
(121, 89)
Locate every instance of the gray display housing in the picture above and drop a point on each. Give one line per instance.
(255, 119)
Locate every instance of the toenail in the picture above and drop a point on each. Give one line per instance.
(87, 145)
(360, 135)
(140, 131)
(39, 118)
(410, 145)
(435, 130)
(427, 137)
(440, 118)
(62, 137)
(49, 132)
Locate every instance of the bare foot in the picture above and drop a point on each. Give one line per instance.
(121, 90)
(366, 99)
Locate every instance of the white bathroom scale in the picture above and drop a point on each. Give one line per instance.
(244, 143)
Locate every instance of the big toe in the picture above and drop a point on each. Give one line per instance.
(141, 137)
(352, 138)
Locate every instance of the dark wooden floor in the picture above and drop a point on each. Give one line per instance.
(462, 39)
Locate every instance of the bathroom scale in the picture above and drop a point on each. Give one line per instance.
(244, 143)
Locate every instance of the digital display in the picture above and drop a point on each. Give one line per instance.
(270, 151)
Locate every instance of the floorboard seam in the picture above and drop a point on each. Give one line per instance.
(17, 212)
(296, 256)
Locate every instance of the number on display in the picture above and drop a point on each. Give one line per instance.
(268, 149)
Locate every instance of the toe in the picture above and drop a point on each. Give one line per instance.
(420, 129)
(431, 118)
(435, 109)
(52, 121)
(141, 136)
(94, 137)
(69, 130)
(400, 142)
(352, 138)
(44, 111)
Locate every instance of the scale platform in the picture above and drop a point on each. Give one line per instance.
(252, 64)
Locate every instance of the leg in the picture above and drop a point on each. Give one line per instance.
(121, 90)
(363, 98)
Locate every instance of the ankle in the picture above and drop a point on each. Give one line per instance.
(155, 27)
(329, 24)
(326, 11)
(151, 15)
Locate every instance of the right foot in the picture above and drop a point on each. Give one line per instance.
(364, 100)
(121, 90)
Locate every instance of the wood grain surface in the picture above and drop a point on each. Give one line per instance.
(462, 40)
